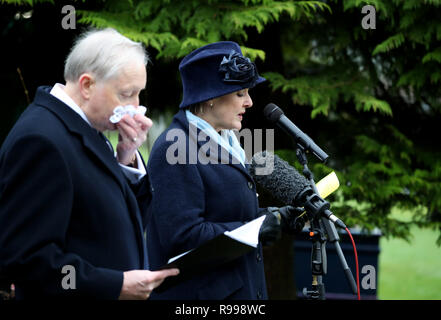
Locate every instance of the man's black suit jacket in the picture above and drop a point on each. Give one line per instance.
(64, 201)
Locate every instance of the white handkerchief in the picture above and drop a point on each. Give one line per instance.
(120, 111)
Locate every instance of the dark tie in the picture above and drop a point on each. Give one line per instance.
(105, 140)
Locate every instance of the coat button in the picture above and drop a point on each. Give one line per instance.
(250, 185)
(259, 257)
(259, 294)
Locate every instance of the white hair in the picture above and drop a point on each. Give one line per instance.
(102, 53)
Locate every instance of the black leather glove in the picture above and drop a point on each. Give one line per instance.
(270, 230)
(291, 219)
(287, 219)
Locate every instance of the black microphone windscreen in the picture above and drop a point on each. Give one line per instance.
(275, 175)
(272, 112)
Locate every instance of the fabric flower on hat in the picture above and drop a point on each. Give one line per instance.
(238, 69)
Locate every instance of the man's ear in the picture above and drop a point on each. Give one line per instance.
(86, 84)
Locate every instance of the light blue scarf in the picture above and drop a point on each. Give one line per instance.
(227, 139)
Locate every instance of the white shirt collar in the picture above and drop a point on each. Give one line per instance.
(59, 93)
(131, 173)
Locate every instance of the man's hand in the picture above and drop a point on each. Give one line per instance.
(139, 284)
(132, 134)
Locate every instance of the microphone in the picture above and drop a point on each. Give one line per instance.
(287, 185)
(274, 114)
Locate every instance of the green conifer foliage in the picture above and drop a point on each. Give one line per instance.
(381, 88)
(175, 28)
(377, 89)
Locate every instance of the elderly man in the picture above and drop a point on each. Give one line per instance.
(68, 208)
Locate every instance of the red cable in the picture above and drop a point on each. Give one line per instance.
(356, 263)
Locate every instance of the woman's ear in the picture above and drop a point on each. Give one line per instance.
(207, 104)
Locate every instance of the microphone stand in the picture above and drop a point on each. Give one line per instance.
(320, 227)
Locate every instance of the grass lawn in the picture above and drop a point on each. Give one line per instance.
(410, 271)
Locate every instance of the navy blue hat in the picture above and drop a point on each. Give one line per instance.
(215, 70)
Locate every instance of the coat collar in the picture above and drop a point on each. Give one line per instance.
(76, 125)
(223, 156)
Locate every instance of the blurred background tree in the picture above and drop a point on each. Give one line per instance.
(370, 98)
(377, 89)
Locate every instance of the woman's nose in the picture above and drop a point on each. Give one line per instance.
(248, 103)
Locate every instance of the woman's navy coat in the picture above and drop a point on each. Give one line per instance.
(193, 203)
